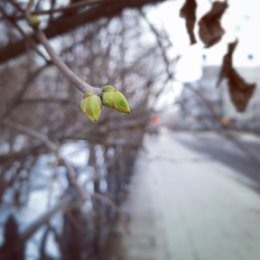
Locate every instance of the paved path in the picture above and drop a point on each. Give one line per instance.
(188, 206)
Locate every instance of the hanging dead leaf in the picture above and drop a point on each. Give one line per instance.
(227, 62)
(240, 91)
(210, 29)
(188, 12)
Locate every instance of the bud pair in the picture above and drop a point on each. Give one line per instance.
(113, 98)
(91, 106)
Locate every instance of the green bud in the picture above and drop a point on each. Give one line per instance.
(34, 21)
(91, 105)
(115, 99)
(108, 99)
(108, 96)
(120, 102)
(108, 88)
(83, 105)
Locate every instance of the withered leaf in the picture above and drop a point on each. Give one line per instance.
(239, 90)
(210, 29)
(227, 63)
(188, 12)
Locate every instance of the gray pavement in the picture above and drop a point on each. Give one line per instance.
(185, 204)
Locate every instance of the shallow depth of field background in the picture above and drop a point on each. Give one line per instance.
(176, 179)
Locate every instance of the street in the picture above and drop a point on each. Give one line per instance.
(194, 197)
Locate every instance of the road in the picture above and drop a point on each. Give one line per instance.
(190, 200)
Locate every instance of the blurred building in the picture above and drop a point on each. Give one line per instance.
(203, 103)
(200, 102)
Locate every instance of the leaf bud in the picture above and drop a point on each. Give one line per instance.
(91, 106)
(115, 99)
(34, 21)
(120, 102)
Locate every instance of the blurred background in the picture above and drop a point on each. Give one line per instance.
(177, 178)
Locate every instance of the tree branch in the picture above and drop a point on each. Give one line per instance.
(82, 85)
(67, 23)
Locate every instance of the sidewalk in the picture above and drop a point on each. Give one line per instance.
(187, 206)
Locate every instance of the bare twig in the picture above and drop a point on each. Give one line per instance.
(64, 24)
(30, 41)
(28, 9)
(159, 42)
(28, 131)
(82, 85)
(205, 101)
(28, 232)
(25, 86)
(69, 7)
(62, 9)
(53, 147)
(71, 174)
(46, 100)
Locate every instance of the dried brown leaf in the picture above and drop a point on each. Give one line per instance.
(210, 29)
(240, 91)
(188, 12)
(227, 63)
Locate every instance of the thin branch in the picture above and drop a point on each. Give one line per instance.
(53, 147)
(82, 85)
(25, 86)
(46, 100)
(30, 41)
(28, 232)
(65, 24)
(159, 42)
(28, 9)
(69, 7)
(61, 9)
(71, 174)
(205, 101)
(28, 131)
